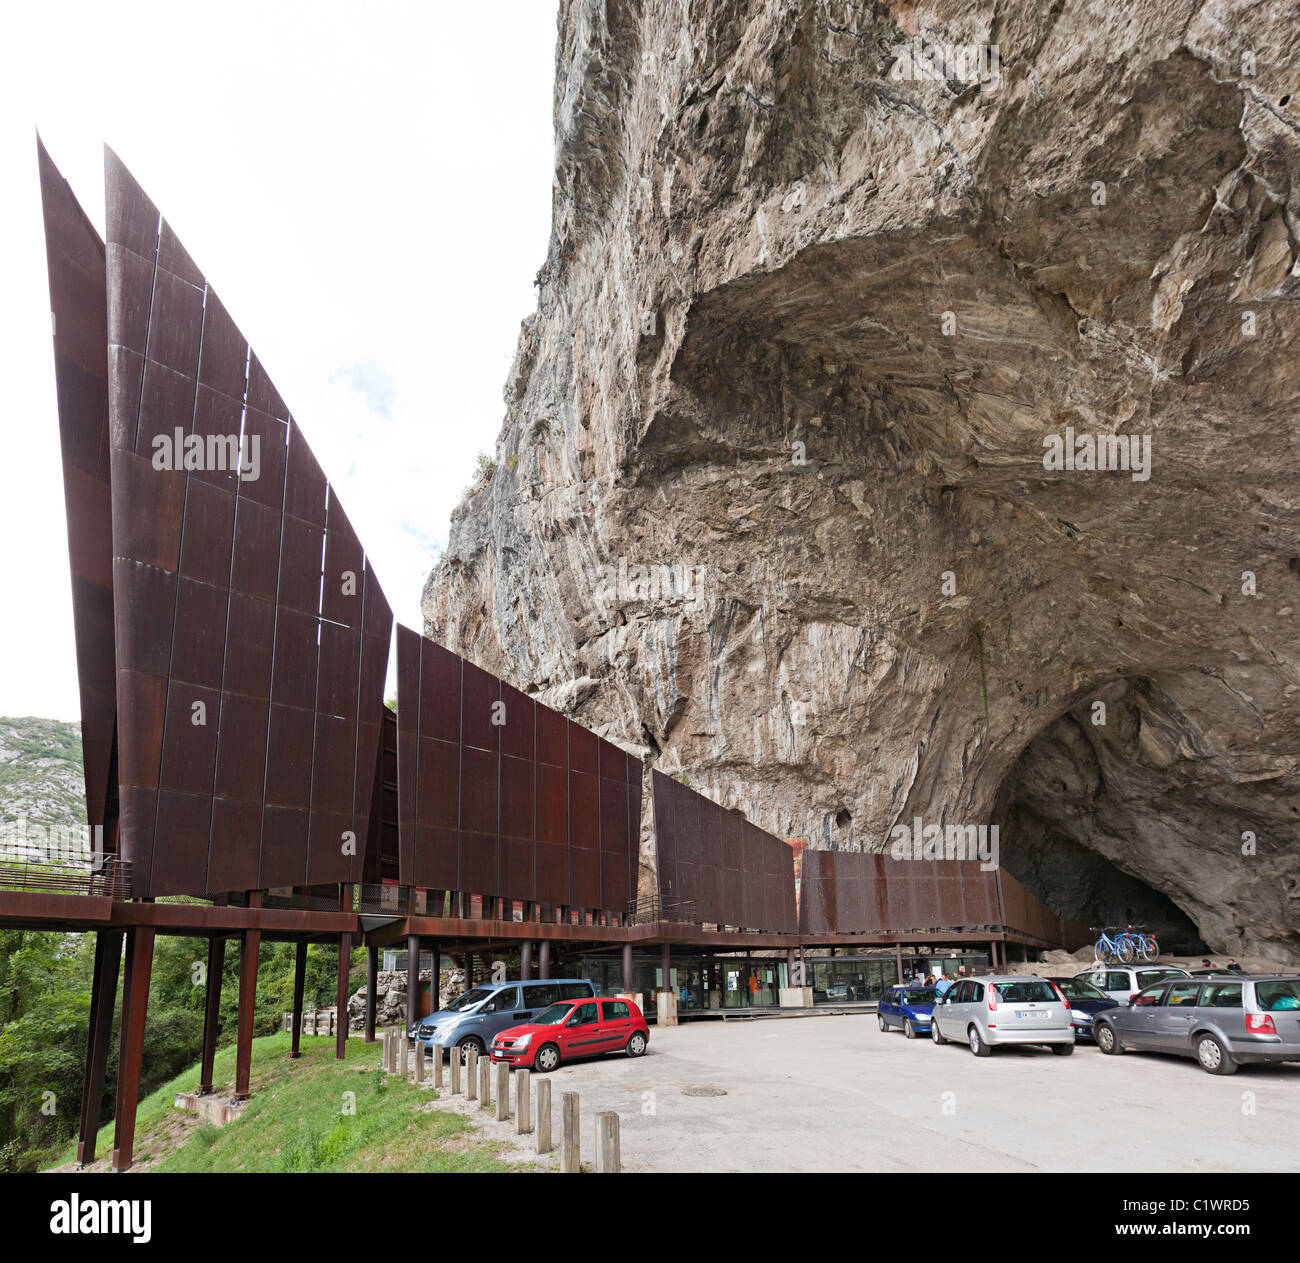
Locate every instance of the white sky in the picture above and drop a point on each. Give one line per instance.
(367, 187)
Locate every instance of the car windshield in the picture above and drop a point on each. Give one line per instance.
(1032, 990)
(468, 1000)
(918, 995)
(1079, 989)
(1277, 996)
(554, 1015)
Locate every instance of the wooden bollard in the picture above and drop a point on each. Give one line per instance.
(485, 1082)
(455, 1071)
(388, 1052)
(570, 1150)
(436, 1050)
(419, 1062)
(607, 1154)
(543, 1116)
(503, 1093)
(523, 1106)
(471, 1074)
(401, 1053)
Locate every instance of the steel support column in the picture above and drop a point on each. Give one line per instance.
(135, 1007)
(211, 1010)
(341, 998)
(627, 968)
(544, 959)
(469, 969)
(898, 957)
(665, 964)
(103, 999)
(412, 978)
(372, 991)
(299, 985)
(249, 945)
(435, 974)
(525, 961)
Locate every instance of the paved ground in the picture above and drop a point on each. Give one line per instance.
(835, 1094)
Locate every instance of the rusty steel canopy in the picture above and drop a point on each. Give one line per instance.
(501, 796)
(734, 872)
(217, 580)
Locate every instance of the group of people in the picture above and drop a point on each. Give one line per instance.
(939, 982)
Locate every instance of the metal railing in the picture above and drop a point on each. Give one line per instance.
(650, 908)
(31, 868)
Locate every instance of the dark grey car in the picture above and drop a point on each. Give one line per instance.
(1223, 1021)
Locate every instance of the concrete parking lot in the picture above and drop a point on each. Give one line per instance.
(835, 1094)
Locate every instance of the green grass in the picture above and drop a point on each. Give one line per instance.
(312, 1114)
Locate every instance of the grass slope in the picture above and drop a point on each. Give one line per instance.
(312, 1114)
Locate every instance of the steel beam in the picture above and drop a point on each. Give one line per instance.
(525, 960)
(211, 1011)
(412, 978)
(135, 1008)
(627, 968)
(544, 959)
(299, 985)
(249, 945)
(341, 998)
(103, 998)
(372, 991)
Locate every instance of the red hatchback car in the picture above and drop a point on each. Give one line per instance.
(572, 1029)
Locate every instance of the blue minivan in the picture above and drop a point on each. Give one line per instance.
(471, 1019)
(908, 1008)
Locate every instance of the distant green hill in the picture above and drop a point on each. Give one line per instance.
(41, 776)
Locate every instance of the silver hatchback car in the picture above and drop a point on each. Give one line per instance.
(1222, 1021)
(986, 1012)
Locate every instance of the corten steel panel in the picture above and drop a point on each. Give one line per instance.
(325, 840)
(255, 567)
(584, 878)
(343, 590)
(166, 405)
(614, 889)
(199, 640)
(340, 665)
(181, 847)
(300, 566)
(189, 752)
(304, 483)
(284, 847)
(207, 534)
(250, 642)
(436, 859)
(438, 685)
(478, 863)
(518, 815)
(613, 762)
(241, 752)
(144, 598)
(409, 693)
(217, 422)
(224, 356)
(613, 817)
(729, 829)
(291, 733)
(332, 765)
(479, 792)
(175, 324)
(553, 805)
(552, 867)
(175, 258)
(479, 694)
(130, 284)
(147, 507)
(262, 393)
(517, 864)
(584, 817)
(293, 671)
(271, 434)
(139, 747)
(236, 837)
(437, 799)
(552, 737)
(520, 716)
(583, 747)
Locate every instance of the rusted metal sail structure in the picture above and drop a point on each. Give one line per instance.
(214, 569)
(501, 796)
(733, 872)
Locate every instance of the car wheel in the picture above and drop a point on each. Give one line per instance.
(935, 1034)
(977, 1044)
(1107, 1039)
(908, 1029)
(636, 1045)
(1061, 1050)
(880, 1021)
(470, 1041)
(548, 1057)
(1213, 1056)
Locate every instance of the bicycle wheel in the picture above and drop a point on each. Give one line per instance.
(1125, 949)
(1153, 946)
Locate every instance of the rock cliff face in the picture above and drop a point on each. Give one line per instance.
(772, 498)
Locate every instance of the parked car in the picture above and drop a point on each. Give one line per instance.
(573, 1029)
(844, 992)
(472, 1019)
(1086, 1001)
(907, 1009)
(986, 1012)
(1223, 1022)
(1122, 982)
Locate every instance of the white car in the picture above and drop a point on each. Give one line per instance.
(986, 1012)
(1122, 982)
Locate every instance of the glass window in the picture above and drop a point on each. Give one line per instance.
(1182, 994)
(916, 995)
(555, 1014)
(468, 999)
(976, 992)
(1222, 995)
(506, 998)
(616, 1010)
(1152, 995)
(1116, 981)
(1277, 996)
(1032, 990)
(583, 1015)
(1079, 989)
(574, 990)
(1145, 977)
(537, 995)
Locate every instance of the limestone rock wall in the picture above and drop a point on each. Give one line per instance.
(769, 501)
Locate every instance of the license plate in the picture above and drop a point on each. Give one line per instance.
(1031, 1013)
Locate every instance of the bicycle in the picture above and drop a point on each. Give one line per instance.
(1114, 951)
(1144, 944)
